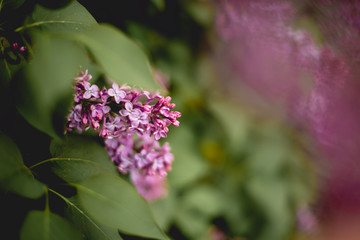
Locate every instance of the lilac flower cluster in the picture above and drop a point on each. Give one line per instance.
(144, 154)
(132, 122)
(120, 110)
(151, 187)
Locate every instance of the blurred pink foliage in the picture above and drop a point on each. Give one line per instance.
(306, 221)
(316, 87)
(340, 24)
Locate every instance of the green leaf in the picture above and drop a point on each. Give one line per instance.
(271, 197)
(160, 4)
(78, 158)
(269, 158)
(72, 18)
(116, 204)
(7, 71)
(205, 199)
(12, 3)
(196, 209)
(92, 229)
(234, 121)
(85, 223)
(189, 164)
(44, 225)
(14, 175)
(45, 92)
(10, 157)
(201, 12)
(120, 58)
(23, 183)
(195, 226)
(164, 209)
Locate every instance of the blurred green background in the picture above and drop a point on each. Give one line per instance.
(239, 172)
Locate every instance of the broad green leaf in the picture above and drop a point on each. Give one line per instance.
(8, 70)
(271, 197)
(77, 158)
(23, 183)
(164, 209)
(189, 164)
(120, 58)
(269, 159)
(205, 199)
(201, 12)
(12, 3)
(92, 229)
(234, 122)
(55, 4)
(45, 91)
(10, 157)
(45, 225)
(72, 18)
(299, 176)
(115, 203)
(197, 208)
(160, 4)
(193, 225)
(14, 175)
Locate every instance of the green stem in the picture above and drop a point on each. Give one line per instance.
(60, 159)
(46, 232)
(28, 46)
(3, 51)
(7, 68)
(35, 24)
(47, 208)
(1, 5)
